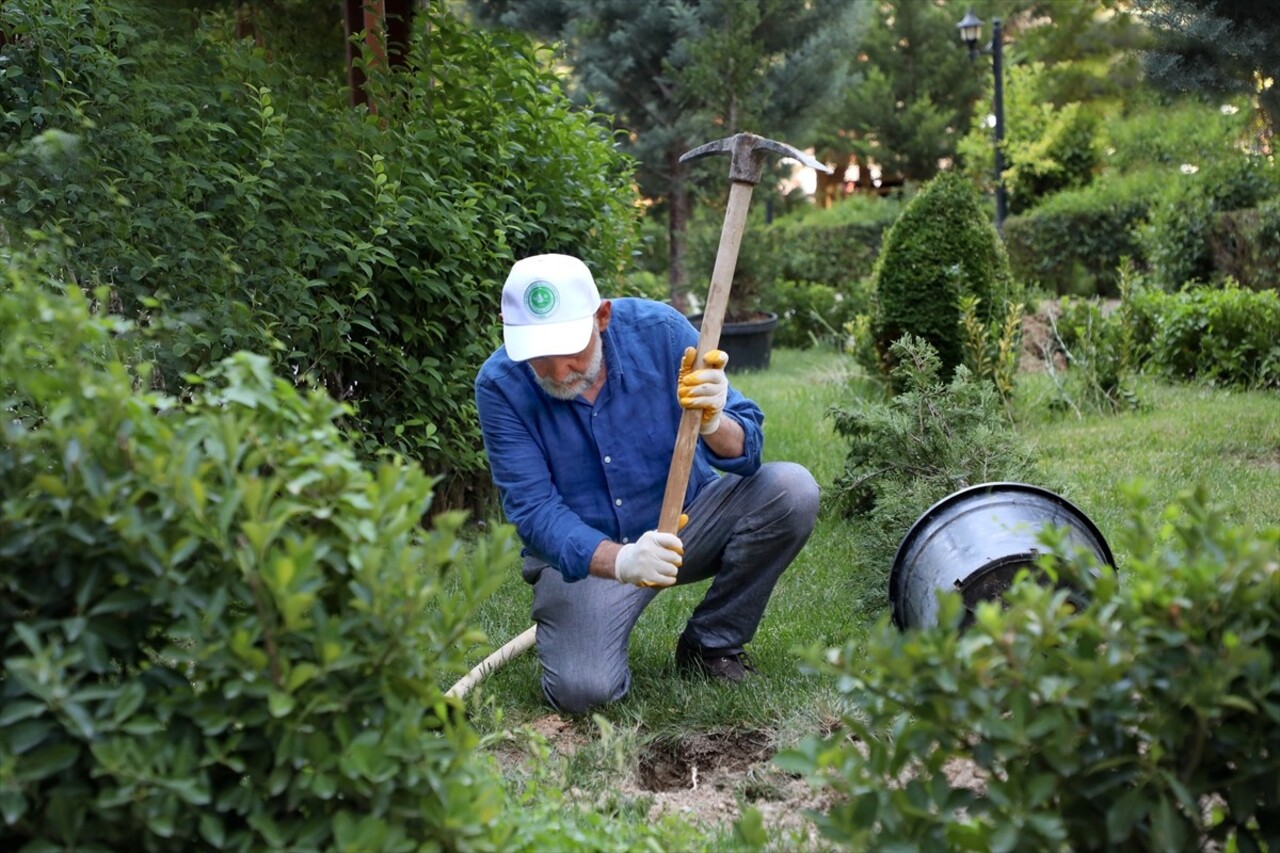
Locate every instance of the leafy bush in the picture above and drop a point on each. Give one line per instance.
(1167, 132)
(1100, 350)
(991, 351)
(810, 312)
(1227, 336)
(216, 625)
(1176, 240)
(1100, 355)
(1145, 720)
(364, 252)
(942, 248)
(921, 445)
(1075, 241)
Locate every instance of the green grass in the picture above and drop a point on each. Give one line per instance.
(1227, 440)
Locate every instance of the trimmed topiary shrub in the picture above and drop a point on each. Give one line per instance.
(1145, 720)
(217, 627)
(941, 248)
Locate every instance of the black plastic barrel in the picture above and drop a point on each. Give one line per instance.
(976, 541)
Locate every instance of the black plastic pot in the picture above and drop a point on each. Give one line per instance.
(976, 541)
(749, 344)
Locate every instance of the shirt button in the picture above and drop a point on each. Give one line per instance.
(618, 502)
(608, 459)
(625, 540)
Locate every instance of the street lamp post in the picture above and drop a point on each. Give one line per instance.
(970, 27)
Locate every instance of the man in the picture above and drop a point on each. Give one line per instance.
(579, 411)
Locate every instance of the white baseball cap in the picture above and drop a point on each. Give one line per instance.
(548, 307)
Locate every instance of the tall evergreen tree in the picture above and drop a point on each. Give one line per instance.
(1228, 46)
(914, 95)
(677, 74)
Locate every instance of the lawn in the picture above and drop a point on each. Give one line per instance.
(1229, 441)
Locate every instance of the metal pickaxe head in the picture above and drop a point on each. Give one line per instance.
(748, 152)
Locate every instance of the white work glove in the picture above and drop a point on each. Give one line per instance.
(706, 389)
(652, 560)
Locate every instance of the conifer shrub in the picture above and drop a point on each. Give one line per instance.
(1143, 720)
(943, 247)
(906, 453)
(218, 628)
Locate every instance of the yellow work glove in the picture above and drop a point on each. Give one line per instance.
(706, 389)
(652, 560)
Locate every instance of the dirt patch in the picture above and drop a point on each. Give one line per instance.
(560, 733)
(1267, 459)
(710, 777)
(1038, 344)
(675, 766)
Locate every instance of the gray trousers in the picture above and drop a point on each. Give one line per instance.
(742, 533)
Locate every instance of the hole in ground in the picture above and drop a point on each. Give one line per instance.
(668, 765)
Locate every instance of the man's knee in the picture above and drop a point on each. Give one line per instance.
(797, 492)
(582, 691)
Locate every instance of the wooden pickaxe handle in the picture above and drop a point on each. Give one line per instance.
(735, 221)
(746, 163)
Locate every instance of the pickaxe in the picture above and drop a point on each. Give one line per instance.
(747, 152)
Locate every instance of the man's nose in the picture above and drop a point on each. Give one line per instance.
(561, 368)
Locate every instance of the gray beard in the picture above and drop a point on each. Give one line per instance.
(575, 383)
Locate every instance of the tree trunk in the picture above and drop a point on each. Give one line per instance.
(387, 25)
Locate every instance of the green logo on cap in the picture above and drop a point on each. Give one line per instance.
(541, 298)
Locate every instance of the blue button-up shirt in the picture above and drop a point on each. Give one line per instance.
(573, 474)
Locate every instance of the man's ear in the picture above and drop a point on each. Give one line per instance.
(603, 313)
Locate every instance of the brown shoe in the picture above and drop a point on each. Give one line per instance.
(733, 667)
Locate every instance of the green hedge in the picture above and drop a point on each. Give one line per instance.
(1074, 243)
(838, 255)
(1178, 239)
(211, 181)
(1226, 336)
(812, 267)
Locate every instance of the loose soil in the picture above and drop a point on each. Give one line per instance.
(1038, 344)
(706, 778)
